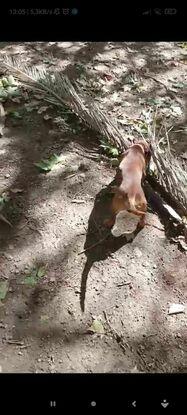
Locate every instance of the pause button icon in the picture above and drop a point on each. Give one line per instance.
(52, 404)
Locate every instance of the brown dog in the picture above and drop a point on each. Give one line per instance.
(128, 194)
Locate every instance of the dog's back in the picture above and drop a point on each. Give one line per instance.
(129, 194)
(131, 170)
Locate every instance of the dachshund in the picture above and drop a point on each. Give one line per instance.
(128, 193)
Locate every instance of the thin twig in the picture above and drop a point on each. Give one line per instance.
(16, 342)
(78, 201)
(71, 175)
(154, 226)
(93, 246)
(166, 132)
(24, 346)
(5, 220)
(154, 122)
(124, 283)
(116, 335)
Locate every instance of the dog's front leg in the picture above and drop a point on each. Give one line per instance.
(141, 222)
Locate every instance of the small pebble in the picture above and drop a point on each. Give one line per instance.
(146, 264)
(82, 175)
(137, 252)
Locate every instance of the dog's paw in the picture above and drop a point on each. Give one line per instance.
(140, 226)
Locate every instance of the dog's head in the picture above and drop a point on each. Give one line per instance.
(145, 148)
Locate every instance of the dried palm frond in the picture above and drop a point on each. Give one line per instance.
(58, 90)
(170, 174)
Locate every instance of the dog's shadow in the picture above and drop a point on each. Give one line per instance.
(100, 242)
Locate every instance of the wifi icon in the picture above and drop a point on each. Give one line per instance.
(164, 403)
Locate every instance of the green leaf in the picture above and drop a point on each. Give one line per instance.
(41, 272)
(3, 199)
(3, 289)
(44, 318)
(35, 274)
(183, 45)
(43, 165)
(4, 81)
(3, 93)
(179, 85)
(97, 327)
(15, 114)
(114, 151)
(11, 80)
(153, 101)
(13, 91)
(30, 280)
(47, 165)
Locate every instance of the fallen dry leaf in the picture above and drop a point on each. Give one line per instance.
(2, 119)
(17, 100)
(16, 190)
(108, 77)
(96, 327)
(42, 109)
(47, 117)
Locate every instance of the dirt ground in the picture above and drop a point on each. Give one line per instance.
(55, 216)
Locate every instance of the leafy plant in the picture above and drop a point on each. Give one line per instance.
(179, 85)
(34, 276)
(8, 88)
(4, 198)
(3, 289)
(15, 114)
(183, 45)
(109, 149)
(153, 101)
(48, 164)
(80, 68)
